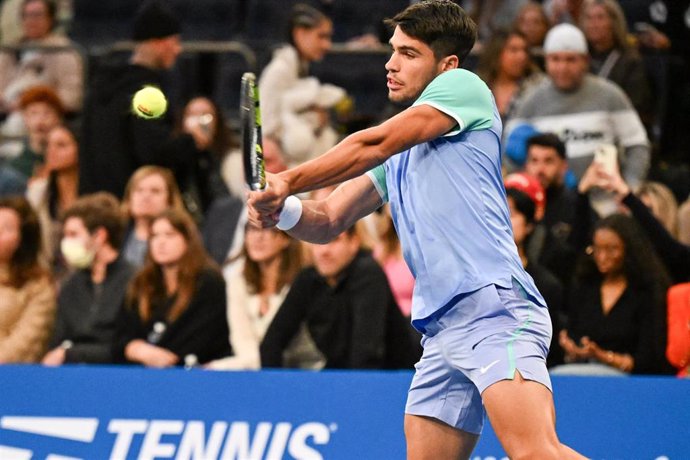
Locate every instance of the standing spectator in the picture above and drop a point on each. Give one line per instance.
(92, 298)
(175, 312)
(116, 142)
(346, 305)
(27, 295)
(612, 55)
(662, 203)
(150, 191)
(42, 111)
(53, 194)
(585, 111)
(257, 287)
(294, 106)
(29, 65)
(616, 305)
(506, 67)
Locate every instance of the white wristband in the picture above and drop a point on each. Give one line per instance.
(289, 216)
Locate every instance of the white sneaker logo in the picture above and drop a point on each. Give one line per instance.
(483, 370)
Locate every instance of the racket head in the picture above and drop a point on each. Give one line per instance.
(252, 148)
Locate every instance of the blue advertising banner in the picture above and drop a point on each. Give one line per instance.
(132, 413)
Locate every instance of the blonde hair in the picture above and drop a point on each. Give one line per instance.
(619, 26)
(174, 195)
(664, 204)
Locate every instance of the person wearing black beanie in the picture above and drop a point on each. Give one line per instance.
(115, 142)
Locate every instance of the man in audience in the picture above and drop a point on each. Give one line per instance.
(92, 297)
(584, 110)
(116, 142)
(348, 309)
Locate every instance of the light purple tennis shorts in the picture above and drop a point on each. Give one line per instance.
(484, 338)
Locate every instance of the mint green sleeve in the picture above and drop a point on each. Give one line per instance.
(378, 177)
(462, 95)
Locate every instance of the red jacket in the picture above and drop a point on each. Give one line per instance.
(678, 347)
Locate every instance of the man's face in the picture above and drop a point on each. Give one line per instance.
(546, 165)
(332, 258)
(411, 67)
(40, 118)
(168, 50)
(566, 69)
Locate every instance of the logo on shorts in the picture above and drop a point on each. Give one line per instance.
(484, 370)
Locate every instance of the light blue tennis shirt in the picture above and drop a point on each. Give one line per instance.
(449, 204)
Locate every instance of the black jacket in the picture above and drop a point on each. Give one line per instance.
(115, 142)
(87, 314)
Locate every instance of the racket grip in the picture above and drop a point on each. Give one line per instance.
(290, 214)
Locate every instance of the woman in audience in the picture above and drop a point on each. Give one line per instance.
(506, 67)
(616, 306)
(295, 106)
(27, 295)
(150, 191)
(532, 22)
(257, 286)
(611, 54)
(202, 184)
(660, 200)
(51, 195)
(176, 303)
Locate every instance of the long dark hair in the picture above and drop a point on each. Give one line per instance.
(290, 265)
(641, 266)
(24, 264)
(490, 60)
(147, 291)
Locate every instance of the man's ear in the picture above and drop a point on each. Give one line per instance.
(450, 62)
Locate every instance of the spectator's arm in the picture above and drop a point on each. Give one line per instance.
(25, 344)
(69, 71)
(89, 353)
(287, 321)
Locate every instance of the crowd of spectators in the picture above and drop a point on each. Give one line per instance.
(124, 240)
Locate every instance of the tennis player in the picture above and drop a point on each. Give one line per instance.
(486, 329)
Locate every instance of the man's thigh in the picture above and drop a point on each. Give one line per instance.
(431, 439)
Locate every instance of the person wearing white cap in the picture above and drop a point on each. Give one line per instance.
(585, 111)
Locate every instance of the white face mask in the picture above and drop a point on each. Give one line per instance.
(76, 254)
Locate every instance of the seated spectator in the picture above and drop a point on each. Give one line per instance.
(532, 22)
(678, 348)
(549, 244)
(42, 111)
(612, 55)
(585, 111)
(616, 305)
(295, 106)
(388, 253)
(176, 304)
(202, 183)
(27, 293)
(150, 191)
(522, 217)
(348, 309)
(53, 194)
(507, 68)
(92, 297)
(232, 169)
(29, 66)
(257, 286)
(661, 201)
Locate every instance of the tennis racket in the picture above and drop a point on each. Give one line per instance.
(253, 153)
(252, 148)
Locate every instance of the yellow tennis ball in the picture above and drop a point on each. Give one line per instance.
(149, 102)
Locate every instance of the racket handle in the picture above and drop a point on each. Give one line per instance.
(290, 214)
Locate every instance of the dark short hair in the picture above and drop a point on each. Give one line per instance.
(303, 16)
(547, 140)
(98, 210)
(523, 204)
(441, 24)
